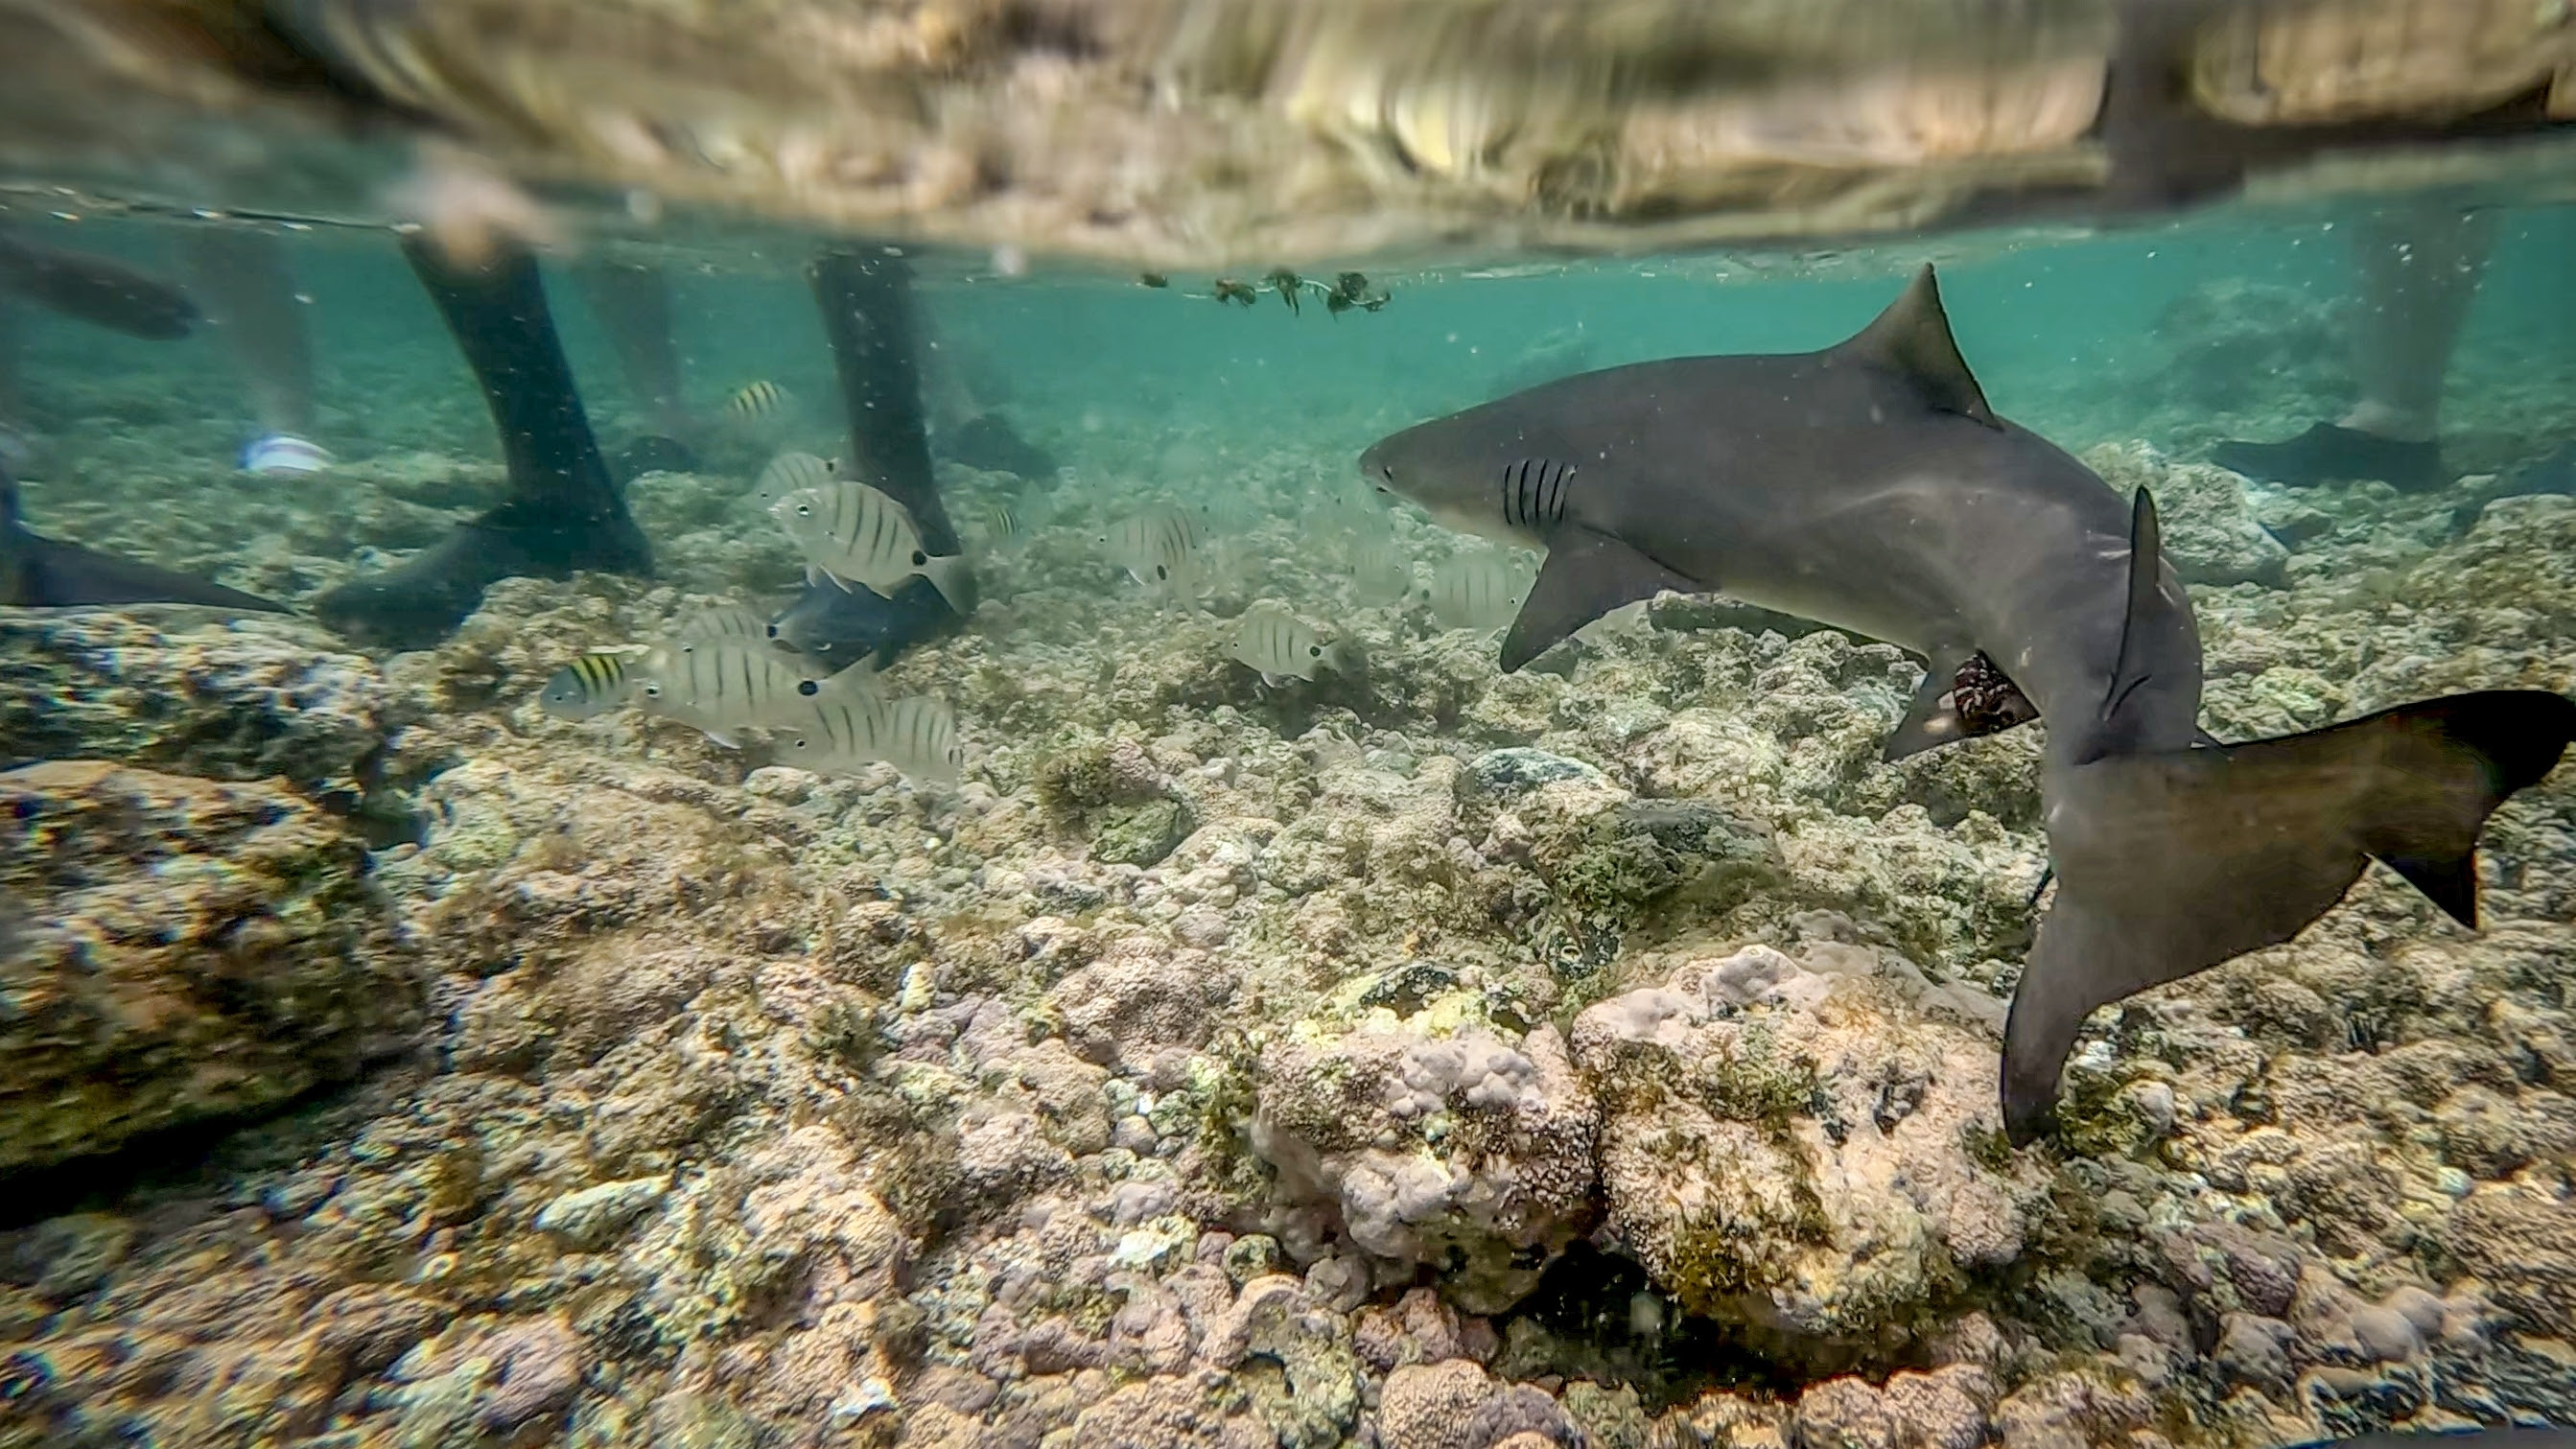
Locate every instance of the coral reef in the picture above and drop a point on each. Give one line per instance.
(253, 699)
(1790, 1146)
(179, 950)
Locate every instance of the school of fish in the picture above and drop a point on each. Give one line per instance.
(727, 672)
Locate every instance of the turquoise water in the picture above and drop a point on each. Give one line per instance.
(1414, 1055)
(2045, 319)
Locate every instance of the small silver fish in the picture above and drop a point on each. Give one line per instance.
(788, 472)
(1158, 548)
(1229, 510)
(725, 621)
(1474, 589)
(1279, 646)
(851, 533)
(757, 400)
(1381, 572)
(588, 687)
(720, 686)
(849, 728)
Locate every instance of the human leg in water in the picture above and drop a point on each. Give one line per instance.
(632, 304)
(867, 310)
(17, 445)
(242, 280)
(2417, 270)
(563, 513)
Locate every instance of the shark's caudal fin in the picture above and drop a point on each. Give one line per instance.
(2171, 863)
(1912, 338)
(39, 572)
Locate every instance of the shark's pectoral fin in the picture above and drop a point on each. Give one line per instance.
(1933, 720)
(1961, 699)
(1912, 339)
(1586, 575)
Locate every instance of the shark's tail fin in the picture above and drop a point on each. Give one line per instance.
(2171, 863)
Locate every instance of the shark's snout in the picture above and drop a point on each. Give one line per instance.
(1379, 472)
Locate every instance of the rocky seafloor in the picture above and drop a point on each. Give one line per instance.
(1421, 1057)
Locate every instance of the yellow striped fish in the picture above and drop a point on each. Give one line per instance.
(1279, 646)
(588, 687)
(755, 401)
(1001, 523)
(788, 472)
(1158, 548)
(850, 728)
(1473, 589)
(720, 685)
(851, 533)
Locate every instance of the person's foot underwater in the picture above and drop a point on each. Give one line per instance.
(565, 511)
(2332, 453)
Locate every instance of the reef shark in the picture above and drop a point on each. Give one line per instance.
(40, 572)
(1870, 487)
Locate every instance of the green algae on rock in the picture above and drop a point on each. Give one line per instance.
(1111, 795)
(196, 950)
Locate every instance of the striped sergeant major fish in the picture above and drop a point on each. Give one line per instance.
(601, 680)
(1279, 646)
(588, 687)
(1476, 589)
(851, 533)
(849, 728)
(1159, 548)
(757, 400)
(788, 472)
(1380, 571)
(721, 686)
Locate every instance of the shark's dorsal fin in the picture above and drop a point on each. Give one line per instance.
(2146, 584)
(1912, 338)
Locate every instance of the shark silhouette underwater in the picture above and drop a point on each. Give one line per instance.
(1870, 487)
(40, 572)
